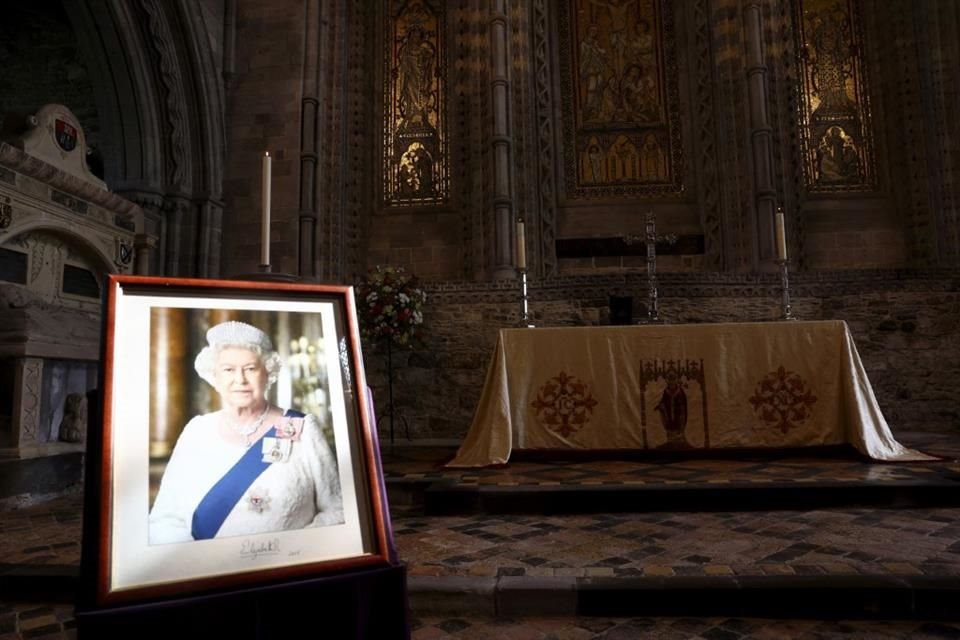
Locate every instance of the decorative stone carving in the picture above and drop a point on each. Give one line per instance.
(73, 426)
(545, 142)
(6, 212)
(54, 204)
(170, 75)
(124, 254)
(707, 140)
(26, 403)
(55, 137)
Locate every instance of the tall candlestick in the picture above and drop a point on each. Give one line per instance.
(265, 209)
(653, 313)
(781, 236)
(521, 247)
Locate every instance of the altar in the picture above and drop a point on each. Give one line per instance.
(679, 387)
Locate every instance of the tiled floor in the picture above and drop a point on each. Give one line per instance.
(43, 622)
(834, 542)
(816, 542)
(431, 628)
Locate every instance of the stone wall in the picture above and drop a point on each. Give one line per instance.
(263, 111)
(906, 326)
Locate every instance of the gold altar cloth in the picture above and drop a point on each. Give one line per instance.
(703, 386)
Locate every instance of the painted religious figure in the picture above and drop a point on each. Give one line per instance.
(837, 157)
(620, 104)
(593, 68)
(416, 172)
(837, 135)
(416, 159)
(832, 62)
(417, 56)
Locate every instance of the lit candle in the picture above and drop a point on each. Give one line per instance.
(265, 209)
(521, 247)
(781, 236)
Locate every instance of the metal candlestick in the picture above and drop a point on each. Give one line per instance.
(650, 239)
(525, 320)
(785, 308)
(653, 312)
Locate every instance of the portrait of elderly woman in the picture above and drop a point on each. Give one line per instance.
(249, 467)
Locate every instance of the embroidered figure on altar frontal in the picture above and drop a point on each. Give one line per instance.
(675, 391)
(673, 411)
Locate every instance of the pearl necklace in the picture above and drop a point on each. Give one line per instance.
(248, 430)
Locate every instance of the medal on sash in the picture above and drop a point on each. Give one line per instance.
(276, 449)
(258, 501)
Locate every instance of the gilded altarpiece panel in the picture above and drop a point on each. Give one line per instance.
(835, 106)
(622, 124)
(416, 163)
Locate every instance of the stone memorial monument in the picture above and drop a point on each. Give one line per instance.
(61, 231)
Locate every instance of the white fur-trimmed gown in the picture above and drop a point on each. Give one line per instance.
(300, 488)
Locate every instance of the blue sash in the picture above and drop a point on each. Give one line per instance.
(224, 495)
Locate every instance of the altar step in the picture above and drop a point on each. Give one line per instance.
(779, 534)
(441, 498)
(851, 597)
(828, 477)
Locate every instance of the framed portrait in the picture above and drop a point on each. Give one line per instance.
(237, 446)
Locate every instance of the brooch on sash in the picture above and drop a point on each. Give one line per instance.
(258, 501)
(290, 428)
(276, 449)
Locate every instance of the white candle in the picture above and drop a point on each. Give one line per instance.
(265, 209)
(521, 247)
(781, 236)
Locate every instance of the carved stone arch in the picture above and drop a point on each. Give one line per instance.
(97, 257)
(123, 90)
(160, 100)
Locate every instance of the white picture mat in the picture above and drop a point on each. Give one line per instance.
(133, 562)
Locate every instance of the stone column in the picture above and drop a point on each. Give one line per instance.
(144, 246)
(502, 164)
(309, 109)
(210, 236)
(27, 396)
(760, 134)
(229, 41)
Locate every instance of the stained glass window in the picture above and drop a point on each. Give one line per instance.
(835, 125)
(416, 166)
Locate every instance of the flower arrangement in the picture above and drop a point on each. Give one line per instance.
(389, 305)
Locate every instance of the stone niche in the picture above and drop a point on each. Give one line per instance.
(61, 232)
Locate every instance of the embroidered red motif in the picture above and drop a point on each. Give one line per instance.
(783, 399)
(564, 404)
